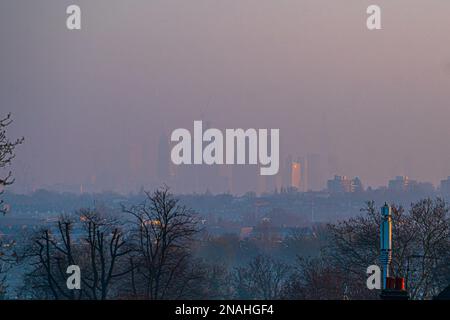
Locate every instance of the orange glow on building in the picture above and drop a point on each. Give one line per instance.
(295, 175)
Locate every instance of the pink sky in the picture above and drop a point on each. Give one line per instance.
(376, 100)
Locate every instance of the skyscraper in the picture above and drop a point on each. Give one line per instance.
(400, 183)
(339, 184)
(315, 172)
(357, 185)
(296, 175)
(286, 169)
(293, 174)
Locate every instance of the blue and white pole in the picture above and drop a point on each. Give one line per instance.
(386, 241)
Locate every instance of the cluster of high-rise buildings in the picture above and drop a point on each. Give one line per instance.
(341, 184)
(312, 172)
(302, 173)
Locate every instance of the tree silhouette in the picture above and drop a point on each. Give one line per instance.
(7, 154)
(162, 232)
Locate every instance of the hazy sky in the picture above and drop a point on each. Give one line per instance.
(379, 101)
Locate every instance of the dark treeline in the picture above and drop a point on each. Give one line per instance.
(159, 249)
(155, 246)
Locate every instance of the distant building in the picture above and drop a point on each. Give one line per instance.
(286, 175)
(401, 183)
(305, 173)
(357, 185)
(342, 184)
(314, 172)
(296, 177)
(422, 187)
(293, 174)
(339, 184)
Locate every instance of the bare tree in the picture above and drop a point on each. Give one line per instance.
(7, 154)
(162, 234)
(49, 253)
(100, 250)
(354, 243)
(262, 278)
(105, 251)
(428, 263)
(213, 282)
(420, 246)
(318, 279)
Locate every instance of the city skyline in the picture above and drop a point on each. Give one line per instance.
(224, 158)
(93, 104)
(300, 173)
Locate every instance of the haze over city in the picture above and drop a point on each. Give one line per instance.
(196, 152)
(96, 106)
